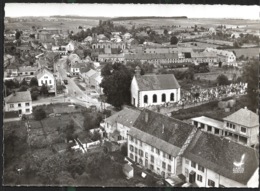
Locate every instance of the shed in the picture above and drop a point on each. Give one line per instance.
(128, 170)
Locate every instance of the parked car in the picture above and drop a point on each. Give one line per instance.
(65, 82)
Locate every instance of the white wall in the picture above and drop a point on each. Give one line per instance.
(158, 158)
(134, 92)
(50, 80)
(16, 108)
(254, 180)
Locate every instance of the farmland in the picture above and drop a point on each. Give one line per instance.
(247, 52)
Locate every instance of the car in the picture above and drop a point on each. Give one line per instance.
(187, 184)
(65, 81)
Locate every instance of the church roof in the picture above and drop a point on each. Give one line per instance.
(157, 82)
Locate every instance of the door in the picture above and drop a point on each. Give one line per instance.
(146, 163)
(192, 176)
(20, 111)
(135, 158)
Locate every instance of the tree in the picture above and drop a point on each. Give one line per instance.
(250, 76)
(44, 90)
(17, 35)
(116, 85)
(222, 80)
(33, 82)
(92, 121)
(23, 83)
(34, 95)
(39, 113)
(165, 32)
(23, 88)
(174, 40)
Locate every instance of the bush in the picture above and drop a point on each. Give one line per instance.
(222, 104)
(222, 80)
(34, 95)
(39, 113)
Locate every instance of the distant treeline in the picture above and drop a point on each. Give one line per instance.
(80, 17)
(138, 18)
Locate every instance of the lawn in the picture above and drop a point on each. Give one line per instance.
(210, 110)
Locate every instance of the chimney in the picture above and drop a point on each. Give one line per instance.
(146, 117)
(163, 128)
(137, 71)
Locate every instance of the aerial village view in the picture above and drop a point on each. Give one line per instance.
(130, 101)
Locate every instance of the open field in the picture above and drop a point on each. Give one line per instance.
(61, 23)
(246, 24)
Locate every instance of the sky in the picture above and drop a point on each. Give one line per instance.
(121, 10)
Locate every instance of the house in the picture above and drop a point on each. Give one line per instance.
(117, 125)
(8, 60)
(212, 31)
(27, 70)
(224, 56)
(156, 142)
(45, 77)
(204, 57)
(242, 126)
(19, 101)
(108, 45)
(127, 36)
(92, 79)
(98, 79)
(88, 39)
(12, 70)
(149, 90)
(211, 161)
(86, 76)
(111, 58)
(209, 125)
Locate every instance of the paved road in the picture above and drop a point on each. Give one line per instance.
(74, 93)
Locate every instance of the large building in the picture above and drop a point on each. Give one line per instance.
(147, 90)
(211, 161)
(19, 101)
(156, 142)
(109, 45)
(242, 126)
(45, 77)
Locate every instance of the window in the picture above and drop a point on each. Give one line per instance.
(169, 168)
(19, 105)
(201, 168)
(131, 138)
(158, 151)
(42, 82)
(193, 164)
(187, 161)
(136, 141)
(172, 97)
(145, 99)
(195, 123)
(11, 105)
(27, 104)
(152, 149)
(170, 157)
(186, 172)
(152, 158)
(154, 98)
(146, 155)
(141, 144)
(216, 131)
(151, 167)
(135, 150)
(227, 124)
(49, 81)
(199, 178)
(243, 129)
(211, 183)
(163, 165)
(141, 153)
(163, 98)
(209, 128)
(27, 110)
(131, 156)
(202, 125)
(131, 148)
(141, 161)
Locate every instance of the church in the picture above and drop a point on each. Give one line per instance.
(147, 90)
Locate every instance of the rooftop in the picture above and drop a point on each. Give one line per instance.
(126, 117)
(19, 97)
(151, 56)
(209, 121)
(167, 129)
(219, 155)
(157, 82)
(244, 117)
